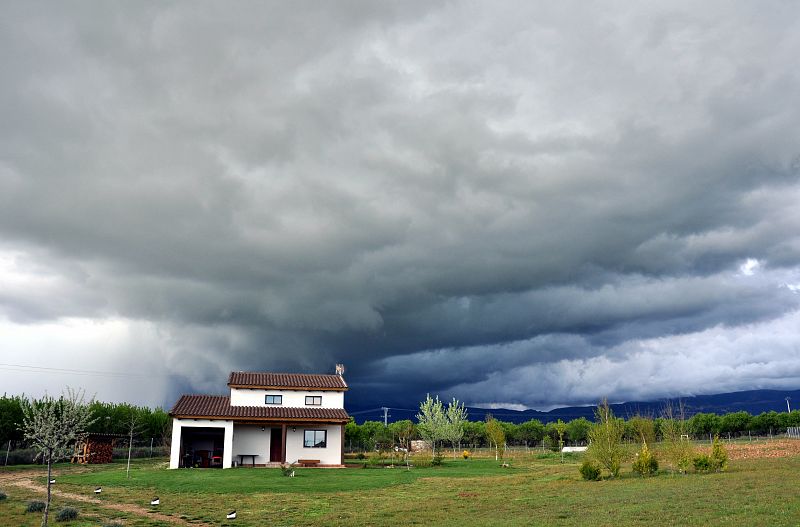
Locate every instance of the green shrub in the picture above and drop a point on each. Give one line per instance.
(645, 463)
(702, 463)
(35, 506)
(719, 456)
(67, 514)
(380, 462)
(287, 470)
(677, 450)
(605, 436)
(422, 462)
(361, 455)
(437, 460)
(590, 471)
(679, 455)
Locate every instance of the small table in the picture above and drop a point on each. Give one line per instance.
(252, 456)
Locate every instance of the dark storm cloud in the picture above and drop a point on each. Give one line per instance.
(445, 197)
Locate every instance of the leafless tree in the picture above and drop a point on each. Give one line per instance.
(675, 434)
(133, 425)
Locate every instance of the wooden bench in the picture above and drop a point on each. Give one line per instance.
(308, 462)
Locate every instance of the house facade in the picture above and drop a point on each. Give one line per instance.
(267, 419)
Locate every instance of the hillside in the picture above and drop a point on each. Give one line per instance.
(752, 401)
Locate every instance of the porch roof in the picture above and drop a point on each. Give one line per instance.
(219, 407)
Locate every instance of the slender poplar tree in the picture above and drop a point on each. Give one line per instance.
(432, 421)
(456, 415)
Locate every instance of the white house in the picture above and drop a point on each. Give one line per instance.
(268, 419)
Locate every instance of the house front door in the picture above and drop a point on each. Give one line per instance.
(275, 438)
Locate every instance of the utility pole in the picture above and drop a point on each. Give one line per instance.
(385, 415)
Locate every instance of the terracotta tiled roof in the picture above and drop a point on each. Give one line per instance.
(219, 406)
(303, 381)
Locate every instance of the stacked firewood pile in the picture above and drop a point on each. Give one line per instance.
(100, 451)
(95, 449)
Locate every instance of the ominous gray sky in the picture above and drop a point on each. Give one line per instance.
(516, 204)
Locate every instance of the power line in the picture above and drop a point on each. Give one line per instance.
(380, 409)
(26, 368)
(364, 411)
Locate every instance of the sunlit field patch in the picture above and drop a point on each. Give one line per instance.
(537, 489)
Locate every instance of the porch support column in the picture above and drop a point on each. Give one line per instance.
(227, 449)
(283, 443)
(175, 446)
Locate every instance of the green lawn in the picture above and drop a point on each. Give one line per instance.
(461, 493)
(247, 480)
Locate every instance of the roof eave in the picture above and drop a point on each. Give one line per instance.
(295, 388)
(286, 420)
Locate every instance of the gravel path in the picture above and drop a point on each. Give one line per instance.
(22, 479)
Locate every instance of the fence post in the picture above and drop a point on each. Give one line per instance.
(151, 447)
(7, 451)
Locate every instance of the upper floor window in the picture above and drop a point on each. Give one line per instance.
(313, 400)
(273, 399)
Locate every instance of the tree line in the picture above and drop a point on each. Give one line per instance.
(372, 435)
(110, 418)
(155, 423)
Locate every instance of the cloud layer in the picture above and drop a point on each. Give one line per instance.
(509, 203)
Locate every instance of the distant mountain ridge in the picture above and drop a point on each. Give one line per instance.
(752, 401)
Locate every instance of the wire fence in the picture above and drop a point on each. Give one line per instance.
(354, 447)
(21, 454)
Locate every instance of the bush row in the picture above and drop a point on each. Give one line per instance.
(645, 462)
(372, 435)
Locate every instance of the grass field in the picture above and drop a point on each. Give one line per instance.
(533, 491)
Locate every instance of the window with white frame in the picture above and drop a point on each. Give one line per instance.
(315, 438)
(313, 400)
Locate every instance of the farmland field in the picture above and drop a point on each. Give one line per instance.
(535, 490)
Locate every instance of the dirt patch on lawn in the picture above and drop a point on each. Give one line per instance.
(761, 449)
(22, 479)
